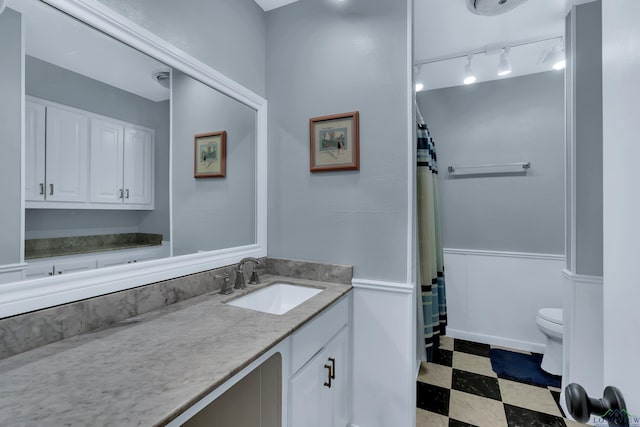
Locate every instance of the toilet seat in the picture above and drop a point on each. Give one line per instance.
(553, 315)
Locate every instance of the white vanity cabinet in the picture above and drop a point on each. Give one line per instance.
(319, 386)
(44, 267)
(56, 142)
(121, 164)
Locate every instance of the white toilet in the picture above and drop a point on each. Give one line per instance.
(549, 321)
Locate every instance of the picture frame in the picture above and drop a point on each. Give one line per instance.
(210, 155)
(334, 142)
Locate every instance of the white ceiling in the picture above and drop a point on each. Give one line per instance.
(54, 37)
(447, 27)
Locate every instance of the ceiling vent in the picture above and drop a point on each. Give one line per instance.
(492, 7)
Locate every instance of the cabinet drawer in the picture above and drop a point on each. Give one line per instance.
(312, 337)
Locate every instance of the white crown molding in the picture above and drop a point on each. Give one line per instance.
(552, 257)
(24, 296)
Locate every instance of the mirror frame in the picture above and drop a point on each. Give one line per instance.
(36, 294)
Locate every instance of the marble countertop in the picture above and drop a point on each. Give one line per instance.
(147, 369)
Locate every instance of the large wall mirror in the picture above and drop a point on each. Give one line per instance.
(99, 158)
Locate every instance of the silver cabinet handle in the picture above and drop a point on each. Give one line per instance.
(127, 193)
(51, 189)
(42, 188)
(121, 193)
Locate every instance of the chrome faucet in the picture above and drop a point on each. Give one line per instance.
(240, 284)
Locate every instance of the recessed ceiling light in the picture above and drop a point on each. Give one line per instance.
(419, 87)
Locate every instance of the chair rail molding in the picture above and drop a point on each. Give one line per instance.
(21, 297)
(530, 255)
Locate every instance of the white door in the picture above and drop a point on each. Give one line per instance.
(621, 234)
(106, 171)
(34, 180)
(138, 166)
(67, 138)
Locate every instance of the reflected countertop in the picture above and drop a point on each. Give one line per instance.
(60, 246)
(148, 369)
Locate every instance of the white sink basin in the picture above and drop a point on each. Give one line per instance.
(277, 298)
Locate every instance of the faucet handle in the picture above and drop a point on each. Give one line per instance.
(226, 288)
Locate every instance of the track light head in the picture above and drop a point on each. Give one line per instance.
(469, 76)
(504, 68)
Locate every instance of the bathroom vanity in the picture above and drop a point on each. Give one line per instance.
(170, 366)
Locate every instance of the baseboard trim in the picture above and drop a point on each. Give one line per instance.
(477, 252)
(375, 285)
(495, 340)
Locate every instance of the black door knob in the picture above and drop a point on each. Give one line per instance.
(611, 407)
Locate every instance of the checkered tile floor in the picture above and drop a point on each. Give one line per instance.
(460, 389)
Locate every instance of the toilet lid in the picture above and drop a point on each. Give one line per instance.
(553, 315)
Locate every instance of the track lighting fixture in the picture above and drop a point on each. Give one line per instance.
(504, 68)
(469, 76)
(556, 58)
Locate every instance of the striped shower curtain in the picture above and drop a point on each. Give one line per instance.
(430, 258)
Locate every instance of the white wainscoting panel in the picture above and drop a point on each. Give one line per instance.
(383, 354)
(494, 297)
(583, 334)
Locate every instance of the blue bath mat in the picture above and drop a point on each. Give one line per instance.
(524, 368)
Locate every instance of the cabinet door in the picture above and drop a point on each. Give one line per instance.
(112, 260)
(34, 183)
(337, 353)
(310, 400)
(65, 267)
(106, 171)
(138, 166)
(316, 400)
(67, 138)
(37, 270)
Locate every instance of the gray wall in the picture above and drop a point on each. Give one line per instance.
(586, 94)
(10, 135)
(228, 35)
(212, 213)
(324, 58)
(47, 81)
(510, 120)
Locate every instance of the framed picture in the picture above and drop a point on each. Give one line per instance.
(210, 156)
(335, 142)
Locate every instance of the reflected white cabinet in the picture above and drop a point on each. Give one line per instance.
(121, 164)
(47, 268)
(319, 390)
(35, 117)
(55, 154)
(138, 165)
